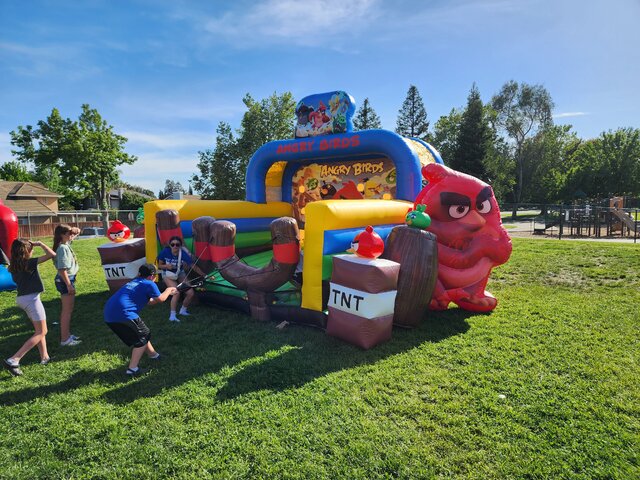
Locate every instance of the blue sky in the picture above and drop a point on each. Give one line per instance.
(165, 73)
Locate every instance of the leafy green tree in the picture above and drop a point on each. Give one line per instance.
(366, 117)
(85, 153)
(137, 188)
(412, 117)
(473, 139)
(264, 121)
(445, 135)
(521, 111)
(547, 159)
(170, 187)
(220, 176)
(608, 165)
(15, 172)
(132, 201)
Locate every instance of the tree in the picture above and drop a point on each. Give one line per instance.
(220, 171)
(474, 136)
(412, 117)
(445, 134)
(83, 155)
(366, 117)
(15, 172)
(223, 169)
(132, 201)
(547, 159)
(136, 188)
(521, 111)
(265, 121)
(171, 187)
(608, 165)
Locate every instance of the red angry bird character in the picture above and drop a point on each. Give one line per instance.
(319, 117)
(118, 231)
(471, 239)
(367, 244)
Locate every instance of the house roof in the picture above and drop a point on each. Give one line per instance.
(25, 189)
(26, 196)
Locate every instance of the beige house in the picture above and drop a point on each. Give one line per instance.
(31, 201)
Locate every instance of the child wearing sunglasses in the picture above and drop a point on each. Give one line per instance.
(172, 262)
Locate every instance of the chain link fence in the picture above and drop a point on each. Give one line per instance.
(37, 225)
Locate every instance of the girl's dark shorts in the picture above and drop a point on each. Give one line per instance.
(61, 286)
(133, 333)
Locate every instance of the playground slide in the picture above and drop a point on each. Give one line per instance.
(627, 219)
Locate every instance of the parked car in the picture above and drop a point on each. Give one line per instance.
(91, 232)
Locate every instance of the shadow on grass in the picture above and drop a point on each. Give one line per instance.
(231, 353)
(79, 379)
(245, 356)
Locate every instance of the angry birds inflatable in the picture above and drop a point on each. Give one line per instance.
(367, 244)
(118, 231)
(471, 239)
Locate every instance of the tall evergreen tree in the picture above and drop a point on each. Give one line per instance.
(412, 117)
(473, 138)
(366, 117)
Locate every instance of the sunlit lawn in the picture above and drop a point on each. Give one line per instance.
(544, 387)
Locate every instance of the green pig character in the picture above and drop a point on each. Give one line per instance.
(418, 218)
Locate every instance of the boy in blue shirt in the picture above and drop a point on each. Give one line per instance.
(121, 313)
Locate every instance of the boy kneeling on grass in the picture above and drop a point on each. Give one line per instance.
(121, 313)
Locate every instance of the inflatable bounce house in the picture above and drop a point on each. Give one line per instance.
(284, 252)
(8, 233)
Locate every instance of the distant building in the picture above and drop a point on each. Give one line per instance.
(31, 201)
(114, 198)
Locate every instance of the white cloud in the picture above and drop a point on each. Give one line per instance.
(570, 114)
(152, 169)
(165, 140)
(306, 23)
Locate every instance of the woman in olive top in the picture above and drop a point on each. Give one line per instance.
(67, 266)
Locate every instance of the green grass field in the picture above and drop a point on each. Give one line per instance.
(547, 386)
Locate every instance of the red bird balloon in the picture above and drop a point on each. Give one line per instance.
(368, 244)
(118, 231)
(471, 239)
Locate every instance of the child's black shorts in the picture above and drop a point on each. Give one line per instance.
(133, 333)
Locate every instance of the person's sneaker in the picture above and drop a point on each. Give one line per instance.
(45, 361)
(183, 311)
(158, 357)
(70, 342)
(136, 373)
(74, 337)
(14, 369)
(173, 318)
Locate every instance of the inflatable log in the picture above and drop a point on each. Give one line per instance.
(168, 223)
(201, 230)
(258, 282)
(416, 251)
(121, 261)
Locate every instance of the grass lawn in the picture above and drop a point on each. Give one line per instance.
(547, 386)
